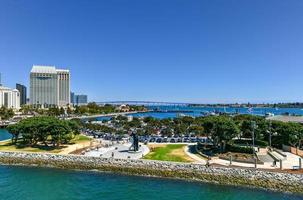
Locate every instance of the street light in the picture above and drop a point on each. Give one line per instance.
(253, 125)
(269, 131)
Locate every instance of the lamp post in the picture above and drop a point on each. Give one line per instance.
(269, 133)
(253, 125)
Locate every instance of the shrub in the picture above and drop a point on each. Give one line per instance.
(257, 142)
(238, 149)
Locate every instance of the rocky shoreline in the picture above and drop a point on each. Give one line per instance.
(283, 182)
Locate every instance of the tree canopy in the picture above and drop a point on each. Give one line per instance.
(6, 113)
(44, 130)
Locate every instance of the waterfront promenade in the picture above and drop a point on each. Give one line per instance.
(118, 151)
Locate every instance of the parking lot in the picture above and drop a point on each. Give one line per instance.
(149, 139)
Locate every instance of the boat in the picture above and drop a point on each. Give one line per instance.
(180, 115)
(269, 114)
(250, 110)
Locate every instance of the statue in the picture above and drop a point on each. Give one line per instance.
(135, 142)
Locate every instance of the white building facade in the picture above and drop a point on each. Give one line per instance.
(64, 87)
(49, 87)
(9, 98)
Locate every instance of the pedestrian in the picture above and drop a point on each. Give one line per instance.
(207, 163)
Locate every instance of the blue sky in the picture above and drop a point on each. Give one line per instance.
(202, 51)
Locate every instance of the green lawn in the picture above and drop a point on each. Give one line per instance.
(81, 138)
(8, 146)
(169, 152)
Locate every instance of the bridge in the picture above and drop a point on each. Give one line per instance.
(143, 103)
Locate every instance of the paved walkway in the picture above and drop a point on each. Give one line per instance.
(119, 151)
(198, 160)
(75, 147)
(290, 162)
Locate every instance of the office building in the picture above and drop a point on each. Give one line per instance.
(9, 98)
(49, 87)
(81, 99)
(72, 98)
(23, 95)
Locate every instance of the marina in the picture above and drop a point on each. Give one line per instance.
(162, 112)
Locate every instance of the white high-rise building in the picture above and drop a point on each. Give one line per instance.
(64, 86)
(9, 98)
(49, 87)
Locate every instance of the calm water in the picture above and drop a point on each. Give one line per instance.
(199, 111)
(47, 184)
(4, 135)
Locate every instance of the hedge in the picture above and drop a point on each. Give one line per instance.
(238, 149)
(257, 142)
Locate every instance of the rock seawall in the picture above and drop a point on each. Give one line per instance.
(283, 182)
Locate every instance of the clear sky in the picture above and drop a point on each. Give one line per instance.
(202, 51)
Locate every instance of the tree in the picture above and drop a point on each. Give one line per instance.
(53, 111)
(246, 129)
(60, 132)
(69, 110)
(42, 130)
(15, 131)
(135, 123)
(167, 132)
(62, 111)
(197, 130)
(287, 133)
(6, 113)
(224, 130)
(187, 120)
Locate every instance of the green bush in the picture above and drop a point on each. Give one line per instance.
(257, 142)
(238, 149)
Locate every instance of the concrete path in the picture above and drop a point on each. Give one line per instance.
(290, 162)
(119, 151)
(266, 158)
(195, 157)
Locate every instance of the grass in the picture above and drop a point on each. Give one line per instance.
(169, 152)
(193, 150)
(81, 138)
(8, 146)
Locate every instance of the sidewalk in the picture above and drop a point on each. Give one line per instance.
(197, 159)
(290, 162)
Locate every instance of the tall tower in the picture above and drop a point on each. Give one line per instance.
(49, 87)
(64, 87)
(23, 93)
(44, 86)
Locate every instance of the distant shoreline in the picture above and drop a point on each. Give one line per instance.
(108, 115)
